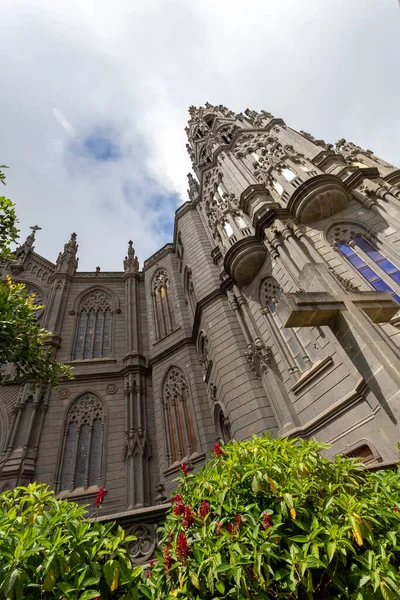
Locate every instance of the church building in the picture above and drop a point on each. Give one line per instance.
(275, 308)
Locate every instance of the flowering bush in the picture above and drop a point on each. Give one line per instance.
(49, 550)
(271, 518)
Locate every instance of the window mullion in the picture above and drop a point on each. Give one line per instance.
(85, 334)
(78, 435)
(88, 456)
(375, 267)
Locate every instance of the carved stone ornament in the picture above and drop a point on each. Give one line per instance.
(97, 301)
(63, 393)
(144, 546)
(160, 280)
(194, 187)
(136, 443)
(175, 385)
(131, 262)
(161, 497)
(345, 232)
(259, 358)
(86, 410)
(111, 388)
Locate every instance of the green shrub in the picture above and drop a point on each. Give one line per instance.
(48, 549)
(271, 518)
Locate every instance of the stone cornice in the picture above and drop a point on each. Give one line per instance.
(167, 249)
(358, 176)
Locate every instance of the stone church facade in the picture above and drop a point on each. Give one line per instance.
(275, 308)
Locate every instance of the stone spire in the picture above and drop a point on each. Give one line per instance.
(67, 261)
(194, 187)
(28, 244)
(131, 263)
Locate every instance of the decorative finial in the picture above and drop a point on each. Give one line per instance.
(97, 270)
(131, 263)
(67, 260)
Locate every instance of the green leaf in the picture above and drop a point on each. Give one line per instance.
(89, 595)
(49, 581)
(331, 549)
(194, 579)
(220, 587)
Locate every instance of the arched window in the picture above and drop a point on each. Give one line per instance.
(82, 444)
(38, 300)
(365, 258)
(180, 252)
(179, 430)
(94, 326)
(222, 425)
(297, 339)
(163, 305)
(365, 453)
(189, 290)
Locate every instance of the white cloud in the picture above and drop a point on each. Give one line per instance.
(132, 68)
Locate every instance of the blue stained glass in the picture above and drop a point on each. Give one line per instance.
(397, 298)
(356, 261)
(387, 266)
(368, 249)
(381, 286)
(345, 249)
(369, 274)
(396, 277)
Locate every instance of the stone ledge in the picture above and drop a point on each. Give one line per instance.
(313, 373)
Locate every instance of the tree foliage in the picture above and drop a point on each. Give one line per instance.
(48, 549)
(271, 518)
(22, 340)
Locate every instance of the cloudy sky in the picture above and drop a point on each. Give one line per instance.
(94, 98)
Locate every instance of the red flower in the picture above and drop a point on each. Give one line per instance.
(238, 520)
(217, 449)
(148, 573)
(267, 521)
(231, 528)
(167, 558)
(396, 509)
(204, 508)
(219, 527)
(100, 497)
(182, 547)
(179, 508)
(152, 563)
(188, 519)
(184, 469)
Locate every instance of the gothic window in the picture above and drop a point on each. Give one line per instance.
(82, 445)
(179, 252)
(189, 291)
(94, 326)
(203, 353)
(298, 339)
(38, 300)
(179, 431)
(365, 258)
(163, 305)
(222, 425)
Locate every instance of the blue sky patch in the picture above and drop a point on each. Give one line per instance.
(101, 147)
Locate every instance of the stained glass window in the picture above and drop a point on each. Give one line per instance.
(81, 461)
(372, 276)
(163, 305)
(94, 326)
(299, 340)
